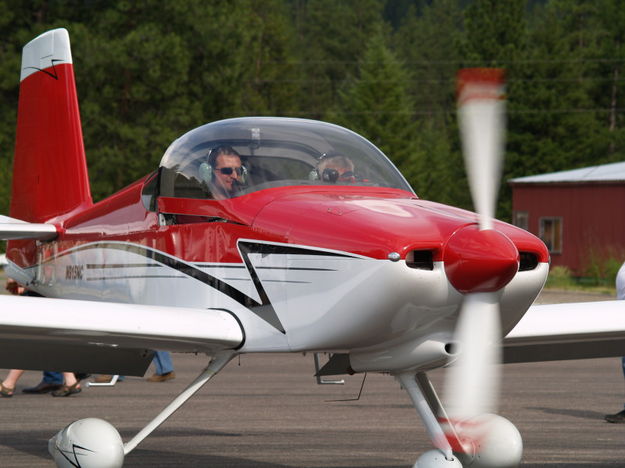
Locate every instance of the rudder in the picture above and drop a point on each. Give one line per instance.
(50, 175)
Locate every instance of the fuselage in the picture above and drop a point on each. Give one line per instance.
(334, 268)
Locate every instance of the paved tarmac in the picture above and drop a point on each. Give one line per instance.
(267, 411)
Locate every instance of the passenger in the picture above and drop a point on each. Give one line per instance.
(223, 172)
(334, 167)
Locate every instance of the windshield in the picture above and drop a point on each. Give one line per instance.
(234, 157)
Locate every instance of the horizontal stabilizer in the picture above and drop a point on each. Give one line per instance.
(91, 336)
(11, 229)
(554, 332)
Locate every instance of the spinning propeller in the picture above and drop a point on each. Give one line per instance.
(479, 261)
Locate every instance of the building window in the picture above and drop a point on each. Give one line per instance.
(550, 232)
(521, 219)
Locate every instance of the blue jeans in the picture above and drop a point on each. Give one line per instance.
(55, 378)
(162, 361)
(623, 365)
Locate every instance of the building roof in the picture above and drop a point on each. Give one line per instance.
(613, 172)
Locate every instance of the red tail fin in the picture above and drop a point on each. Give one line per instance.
(50, 170)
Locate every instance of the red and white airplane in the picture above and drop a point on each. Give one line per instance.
(301, 256)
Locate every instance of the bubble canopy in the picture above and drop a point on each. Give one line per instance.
(272, 152)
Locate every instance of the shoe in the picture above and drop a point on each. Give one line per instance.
(103, 378)
(616, 418)
(65, 390)
(5, 392)
(42, 387)
(162, 377)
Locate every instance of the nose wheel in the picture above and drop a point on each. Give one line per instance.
(485, 441)
(436, 459)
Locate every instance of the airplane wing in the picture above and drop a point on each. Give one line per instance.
(567, 331)
(11, 228)
(103, 337)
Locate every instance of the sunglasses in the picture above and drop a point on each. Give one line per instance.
(230, 170)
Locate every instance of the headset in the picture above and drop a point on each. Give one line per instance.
(330, 175)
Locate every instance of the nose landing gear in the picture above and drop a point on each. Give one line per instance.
(485, 441)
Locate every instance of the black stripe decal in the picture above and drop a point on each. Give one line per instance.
(266, 249)
(263, 309)
(242, 267)
(121, 265)
(105, 278)
(270, 281)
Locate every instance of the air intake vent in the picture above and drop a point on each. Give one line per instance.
(420, 260)
(528, 261)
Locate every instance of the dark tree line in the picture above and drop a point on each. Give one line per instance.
(148, 71)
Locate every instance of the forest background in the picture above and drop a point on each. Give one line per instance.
(148, 71)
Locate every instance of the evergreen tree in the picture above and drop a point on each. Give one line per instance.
(608, 93)
(208, 61)
(429, 41)
(554, 121)
(9, 82)
(377, 105)
(496, 36)
(149, 71)
(331, 36)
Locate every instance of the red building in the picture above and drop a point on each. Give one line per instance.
(579, 214)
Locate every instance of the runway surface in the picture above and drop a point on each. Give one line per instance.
(267, 411)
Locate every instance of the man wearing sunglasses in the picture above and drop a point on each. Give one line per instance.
(227, 172)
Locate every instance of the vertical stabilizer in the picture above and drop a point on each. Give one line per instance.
(50, 170)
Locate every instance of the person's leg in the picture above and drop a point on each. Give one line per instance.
(623, 366)
(164, 367)
(163, 363)
(51, 381)
(620, 416)
(70, 387)
(53, 377)
(70, 379)
(8, 384)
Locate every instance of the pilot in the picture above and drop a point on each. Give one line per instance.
(334, 167)
(223, 172)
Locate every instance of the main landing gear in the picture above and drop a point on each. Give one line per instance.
(486, 441)
(94, 443)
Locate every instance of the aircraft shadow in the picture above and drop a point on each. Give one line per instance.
(576, 413)
(139, 457)
(35, 443)
(571, 465)
(166, 459)
(128, 434)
